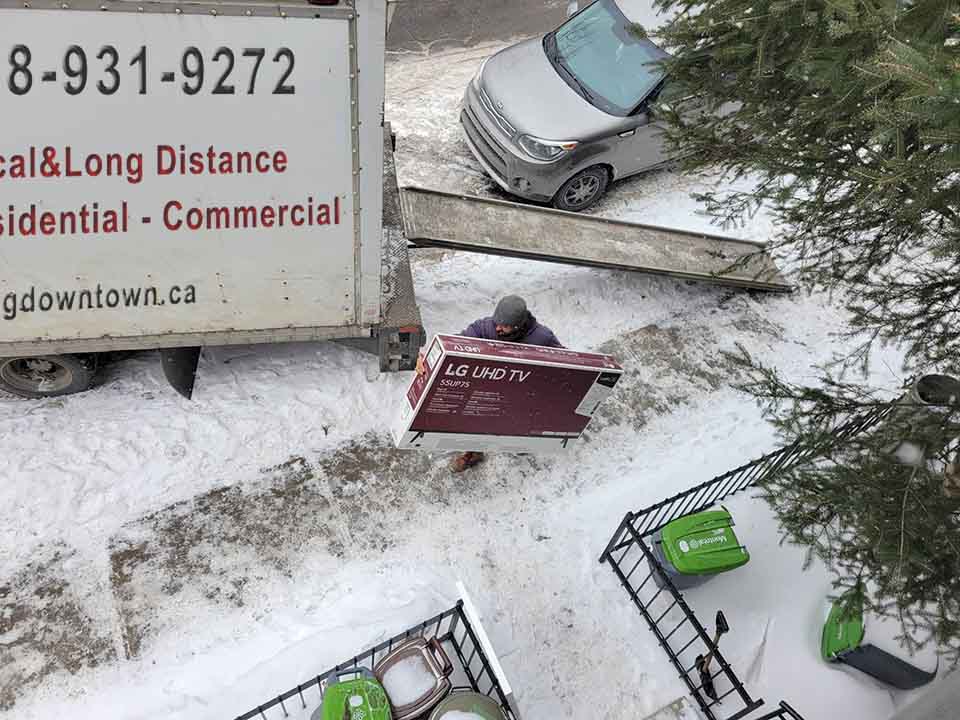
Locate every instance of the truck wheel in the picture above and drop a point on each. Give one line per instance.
(582, 190)
(47, 375)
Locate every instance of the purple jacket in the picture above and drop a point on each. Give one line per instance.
(486, 329)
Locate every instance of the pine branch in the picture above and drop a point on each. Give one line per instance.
(844, 116)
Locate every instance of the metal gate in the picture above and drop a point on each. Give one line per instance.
(454, 630)
(784, 712)
(674, 623)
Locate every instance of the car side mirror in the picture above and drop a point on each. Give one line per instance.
(572, 8)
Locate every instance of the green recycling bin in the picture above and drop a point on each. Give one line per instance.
(842, 642)
(695, 548)
(359, 698)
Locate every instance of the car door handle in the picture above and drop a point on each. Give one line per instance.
(628, 133)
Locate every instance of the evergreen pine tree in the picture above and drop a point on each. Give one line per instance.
(846, 117)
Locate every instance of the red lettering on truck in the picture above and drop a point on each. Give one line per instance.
(53, 163)
(240, 217)
(181, 161)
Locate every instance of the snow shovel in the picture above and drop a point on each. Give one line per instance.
(842, 642)
(703, 663)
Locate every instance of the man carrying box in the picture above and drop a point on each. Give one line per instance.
(511, 322)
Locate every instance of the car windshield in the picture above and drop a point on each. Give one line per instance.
(606, 58)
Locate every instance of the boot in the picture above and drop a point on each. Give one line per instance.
(465, 461)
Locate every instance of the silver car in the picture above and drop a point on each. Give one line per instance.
(556, 119)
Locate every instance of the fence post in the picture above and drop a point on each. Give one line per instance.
(627, 519)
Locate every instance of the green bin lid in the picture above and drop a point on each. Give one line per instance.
(360, 699)
(842, 631)
(703, 544)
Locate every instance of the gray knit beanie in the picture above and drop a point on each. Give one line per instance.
(511, 310)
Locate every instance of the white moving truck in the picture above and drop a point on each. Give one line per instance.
(181, 174)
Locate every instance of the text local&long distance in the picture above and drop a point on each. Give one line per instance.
(50, 163)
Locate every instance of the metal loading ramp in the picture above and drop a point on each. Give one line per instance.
(465, 222)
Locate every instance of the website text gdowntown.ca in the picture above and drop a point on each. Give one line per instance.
(97, 298)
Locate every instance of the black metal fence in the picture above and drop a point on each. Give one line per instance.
(649, 520)
(675, 625)
(452, 628)
(784, 712)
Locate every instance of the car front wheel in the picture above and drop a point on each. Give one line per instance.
(582, 190)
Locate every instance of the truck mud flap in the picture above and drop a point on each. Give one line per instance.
(497, 227)
(180, 368)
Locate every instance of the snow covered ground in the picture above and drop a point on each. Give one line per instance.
(172, 559)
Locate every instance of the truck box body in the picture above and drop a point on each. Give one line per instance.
(193, 174)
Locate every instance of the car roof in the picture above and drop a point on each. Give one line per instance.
(642, 12)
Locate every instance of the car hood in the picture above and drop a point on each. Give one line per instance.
(531, 95)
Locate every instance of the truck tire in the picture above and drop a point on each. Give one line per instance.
(44, 376)
(582, 190)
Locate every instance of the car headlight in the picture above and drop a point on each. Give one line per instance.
(476, 78)
(545, 150)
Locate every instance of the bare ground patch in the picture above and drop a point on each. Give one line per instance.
(666, 367)
(219, 546)
(45, 627)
